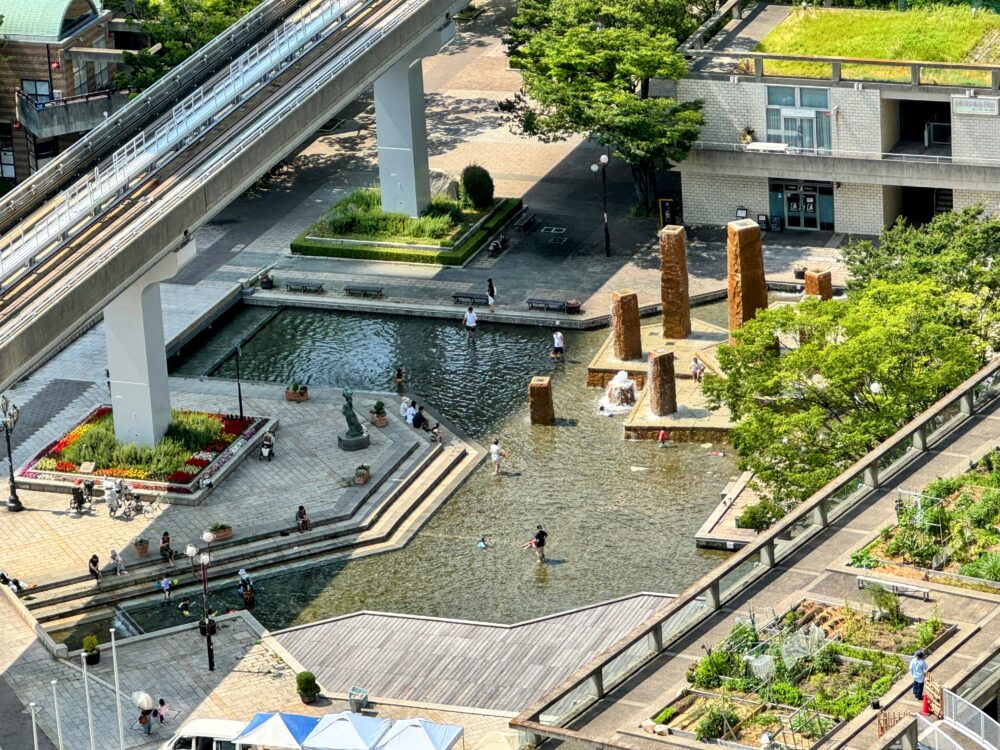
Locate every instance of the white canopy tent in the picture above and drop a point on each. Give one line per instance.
(276, 730)
(420, 734)
(347, 731)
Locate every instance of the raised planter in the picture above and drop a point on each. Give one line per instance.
(222, 534)
(379, 420)
(362, 478)
(93, 658)
(296, 395)
(141, 548)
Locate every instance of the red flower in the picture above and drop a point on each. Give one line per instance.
(235, 426)
(200, 463)
(216, 446)
(180, 477)
(66, 466)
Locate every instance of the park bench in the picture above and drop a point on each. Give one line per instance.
(526, 220)
(895, 587)
(473, 298)
(304, 286)
(364, 291)
(547, 304)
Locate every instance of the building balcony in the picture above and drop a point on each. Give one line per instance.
(906, 164)
(74, 114)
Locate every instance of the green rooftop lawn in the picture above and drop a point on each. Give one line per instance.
(938, 34)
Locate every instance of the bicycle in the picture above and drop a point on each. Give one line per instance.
(150, 508)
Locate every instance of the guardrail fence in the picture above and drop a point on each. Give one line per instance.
(969, 720)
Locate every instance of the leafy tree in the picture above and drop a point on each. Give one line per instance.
(587, 66)
(181, 26)
(956, 249)
(844, 376)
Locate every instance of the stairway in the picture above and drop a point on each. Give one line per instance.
(385, 521)
(944, 200)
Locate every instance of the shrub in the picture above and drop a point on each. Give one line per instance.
(477, 186)
(712, 667)
(987, 567)
(716, 722)
(983, 512)
(863, 558)
(760, 515)
(90, 643)
(742, 637)
(305, 683)
(192, 429)
(928, 629)
(823, 662)
(378, 408)
(665, 715)
(888, 606)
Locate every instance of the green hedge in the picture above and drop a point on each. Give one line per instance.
(456, 256)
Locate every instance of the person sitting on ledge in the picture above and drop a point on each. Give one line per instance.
(302, 519)
(420, 420)
(165, 550)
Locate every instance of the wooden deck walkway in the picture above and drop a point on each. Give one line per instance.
(486, 666)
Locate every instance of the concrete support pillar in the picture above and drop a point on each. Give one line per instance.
(674, 283)
(401, 132)
(767, 555)
(137, 357)
(871, 477)
(819, 516)
(819, 284)
(713, 597)
(747, 286)
(920, 439)
(625, 333)
(661, 384)
(540, 401)
(966, 404)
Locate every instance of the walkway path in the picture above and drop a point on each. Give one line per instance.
(818, 570)
(455, 662)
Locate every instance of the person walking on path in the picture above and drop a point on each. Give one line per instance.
(94, 568)
(558, 347)
(491, 295)
(161, 710)
(146, 720)
(537, 543)
(470, 322)
(918, 671)
(497, 454)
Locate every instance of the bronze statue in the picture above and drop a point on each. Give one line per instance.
(354, 428)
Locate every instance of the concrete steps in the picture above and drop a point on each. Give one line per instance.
(378, 526)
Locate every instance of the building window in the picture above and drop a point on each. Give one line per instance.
(6, 151)
(40, 91)
(800, 117)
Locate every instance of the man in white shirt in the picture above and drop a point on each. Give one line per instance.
(470, 322)
(557, 344)
(411, 411)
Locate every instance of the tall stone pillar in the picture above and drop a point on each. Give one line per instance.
(661, 384)
(819, 284)
(137, 357)
(401, 132)
(747, 286)
(540, 405)
(625, 331)
(674, 283)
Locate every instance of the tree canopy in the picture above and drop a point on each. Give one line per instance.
(181, 26)
(845, 376)
(587, 66)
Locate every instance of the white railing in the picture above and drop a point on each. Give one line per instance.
(970, 721)
(219, 160)
(199, 111)
(766, 147)
(931, 736)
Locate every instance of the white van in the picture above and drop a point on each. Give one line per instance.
(206, 734)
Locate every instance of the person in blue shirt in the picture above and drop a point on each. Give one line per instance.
(918, 671)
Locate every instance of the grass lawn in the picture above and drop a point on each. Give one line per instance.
(939, 34)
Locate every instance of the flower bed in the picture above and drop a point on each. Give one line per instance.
(949, 533)
(195, 447)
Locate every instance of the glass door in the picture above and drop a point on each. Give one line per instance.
(793, 206)
(800, 132)
(810, 217)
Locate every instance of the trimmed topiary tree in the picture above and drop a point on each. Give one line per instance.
(305, 682)
(477, 186)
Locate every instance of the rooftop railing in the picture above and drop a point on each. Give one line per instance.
(781, 149)
(548, 716)
(67, 101)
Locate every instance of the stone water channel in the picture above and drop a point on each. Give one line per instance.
(621, 514)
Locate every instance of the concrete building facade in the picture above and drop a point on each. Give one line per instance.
(57, 72)
(829, 153)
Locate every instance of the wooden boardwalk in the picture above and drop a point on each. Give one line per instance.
(486, 666)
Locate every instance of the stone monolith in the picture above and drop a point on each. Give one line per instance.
(540, 401)
(625, 333)
(747, 286)
(674, 283)
(661, 385)
(819, 284)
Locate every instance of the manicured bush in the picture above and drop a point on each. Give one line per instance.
(90, 643)
(665, 715)
(360, 215)
(760, 515)
(477, 186)
(305, 683)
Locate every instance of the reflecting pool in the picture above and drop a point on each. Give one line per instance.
(621, 515)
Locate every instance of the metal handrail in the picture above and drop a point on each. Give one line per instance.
(200, 110)
(66, 100)
(709, 585)
(160, 94)
(224, 156)
(970, 720)
(845, 154)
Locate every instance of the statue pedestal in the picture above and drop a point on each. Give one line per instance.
(352, 443)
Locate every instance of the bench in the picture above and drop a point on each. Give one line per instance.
(526, 220)
(547, 304)
(304, 286)
(364, 291)
(472, 298)
(894, 587)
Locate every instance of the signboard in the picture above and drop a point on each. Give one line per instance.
(666, 206)
(975, 105)
(800, 112)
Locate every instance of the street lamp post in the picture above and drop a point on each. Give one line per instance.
(192, 552)
(55, 710)
(208, 621)
(239, 388)
(603, 169)
(9, 420)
